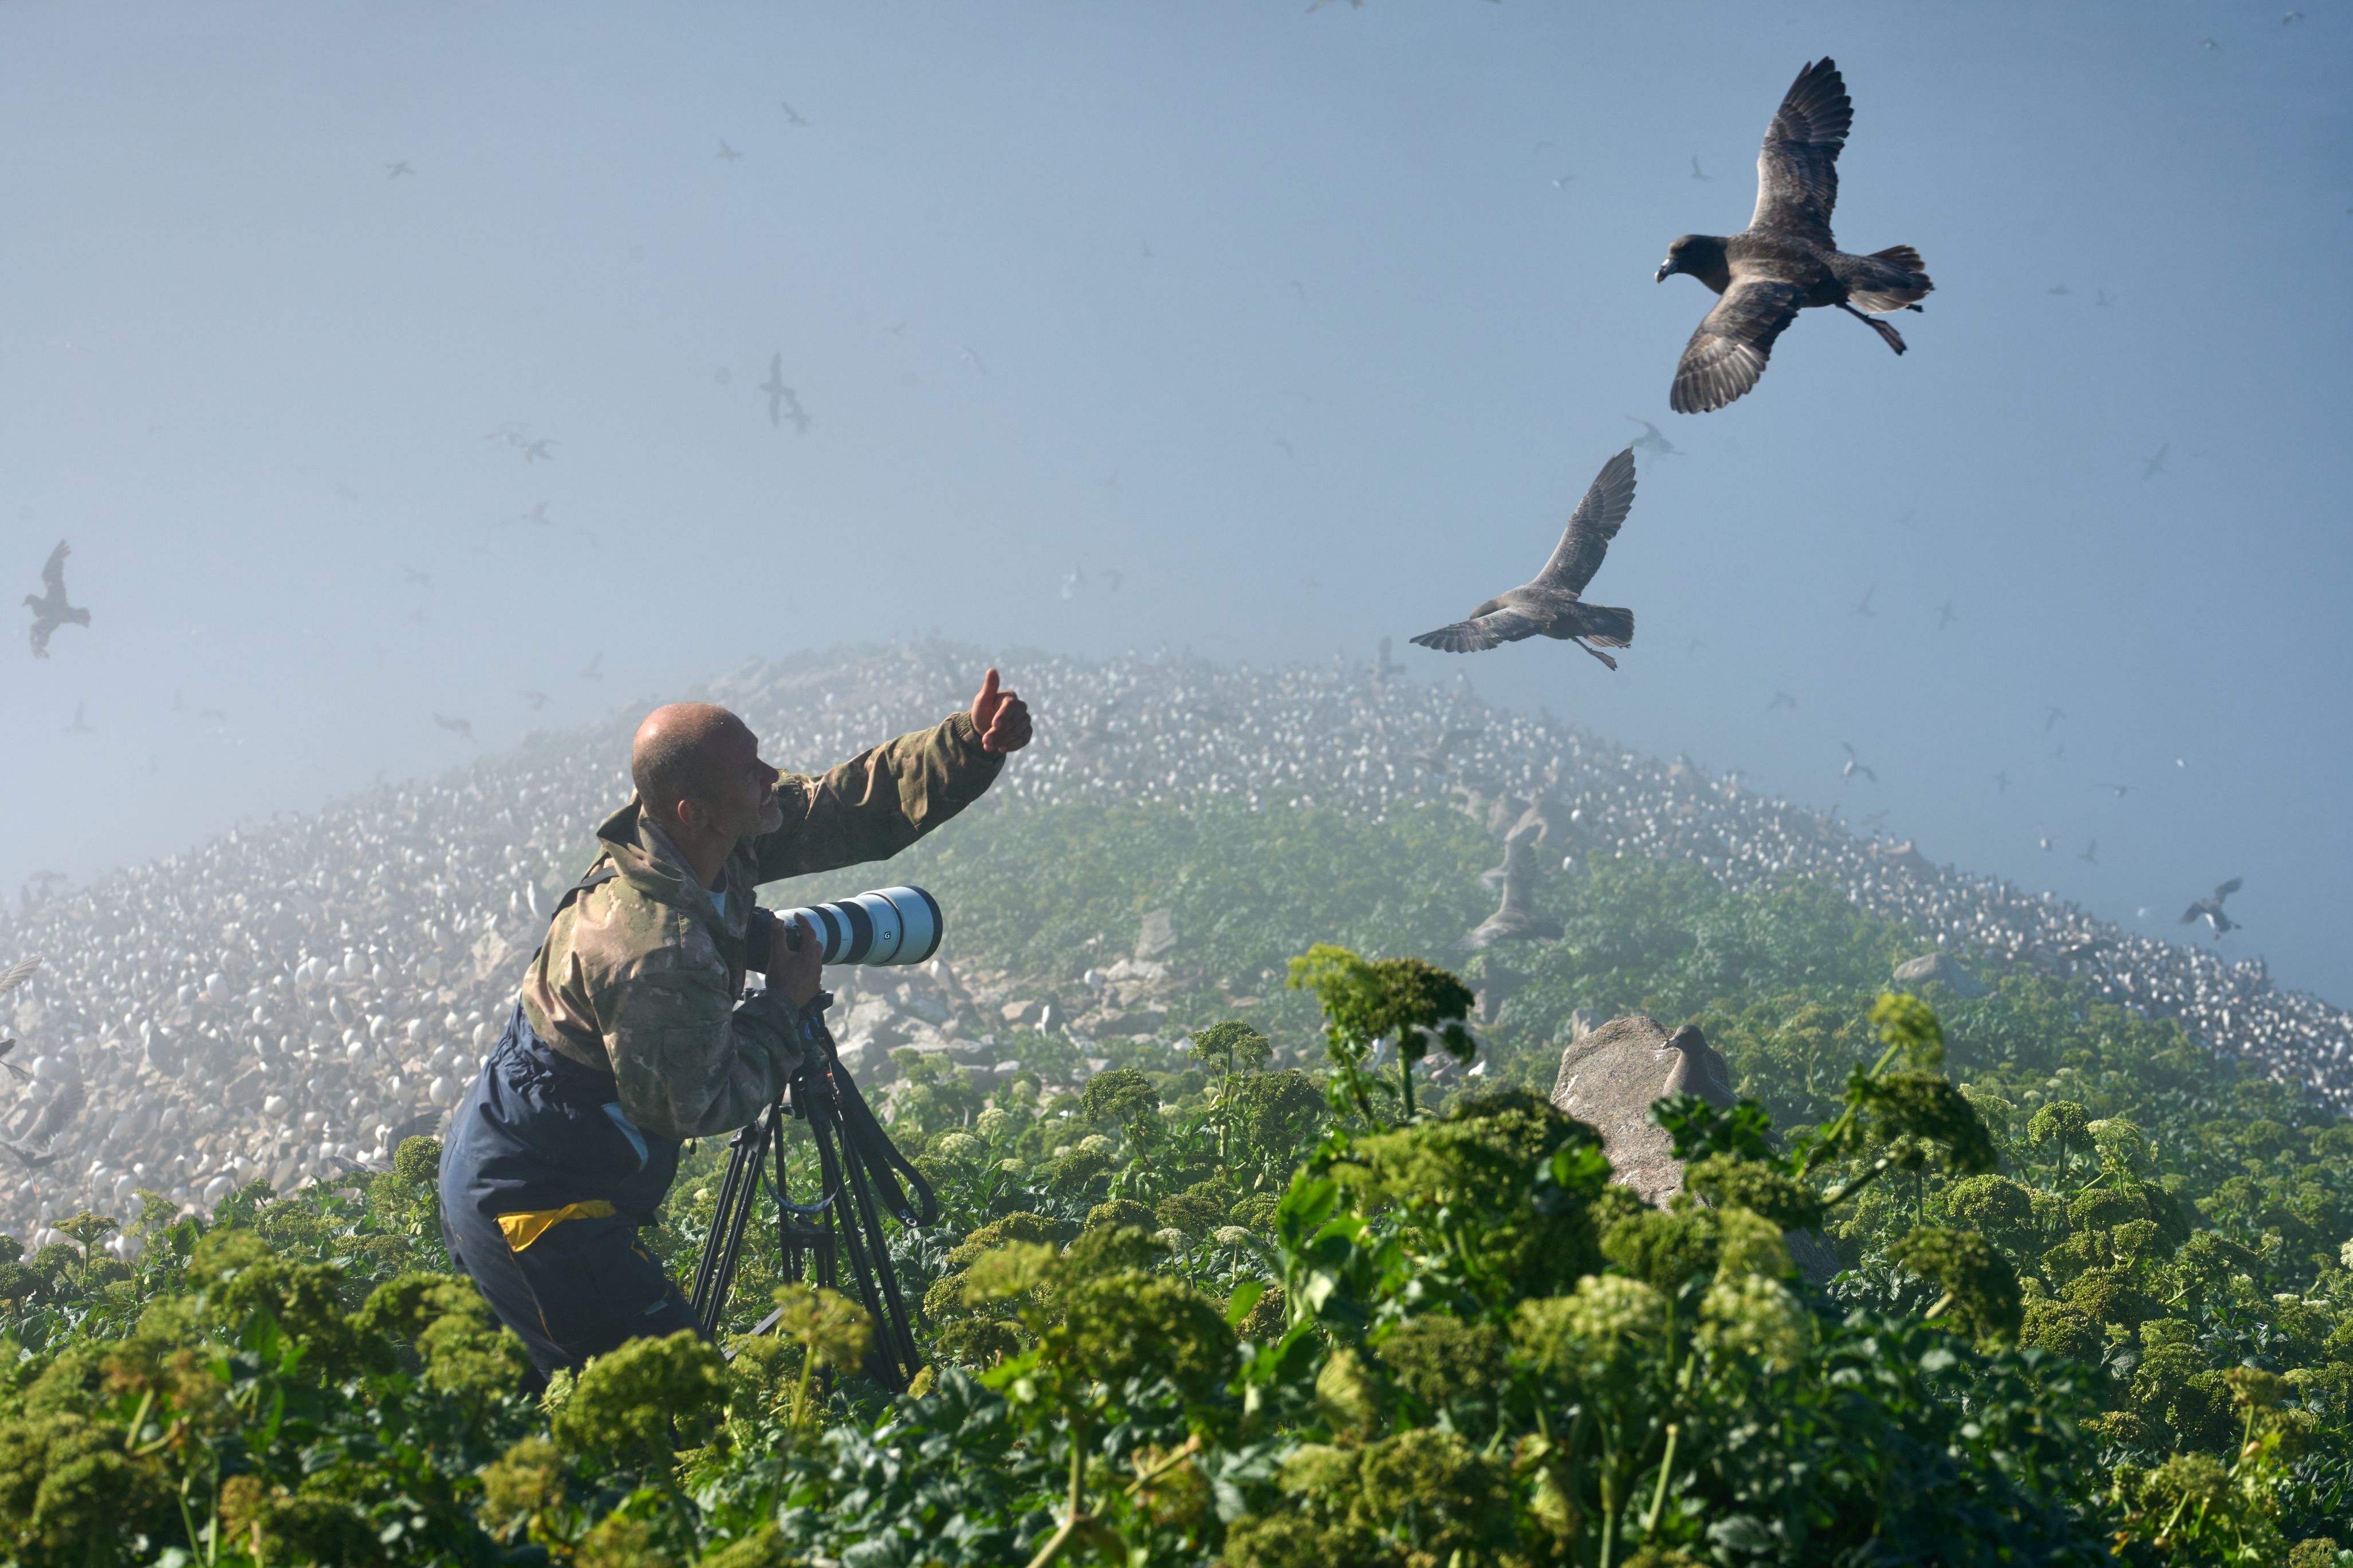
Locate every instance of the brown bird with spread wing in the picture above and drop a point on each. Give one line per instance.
(1785, 261)
(49, 607)
(1550, 606)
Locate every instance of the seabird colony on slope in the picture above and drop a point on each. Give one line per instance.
(295, 995)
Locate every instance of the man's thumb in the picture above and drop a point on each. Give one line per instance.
(987, 698)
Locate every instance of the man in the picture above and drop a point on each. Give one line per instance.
(627, 1039)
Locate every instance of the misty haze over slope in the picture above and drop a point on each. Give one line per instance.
(388, 364)
(295, 995)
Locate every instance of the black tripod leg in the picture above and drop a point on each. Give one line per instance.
(722, 1246)
(788, 1247)
(862, 1270)
(895, 1318)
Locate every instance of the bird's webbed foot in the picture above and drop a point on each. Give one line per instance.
(1887, 334)
(1596, 652)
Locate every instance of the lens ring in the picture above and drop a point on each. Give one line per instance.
(931, 908)
(861, 932)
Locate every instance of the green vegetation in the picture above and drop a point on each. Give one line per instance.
(1288, 1299)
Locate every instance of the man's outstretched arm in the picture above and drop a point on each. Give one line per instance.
(883, 800)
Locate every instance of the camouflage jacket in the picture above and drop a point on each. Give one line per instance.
(640, 975)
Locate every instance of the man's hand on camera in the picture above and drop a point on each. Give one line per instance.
(1001, 716)
(796, 961)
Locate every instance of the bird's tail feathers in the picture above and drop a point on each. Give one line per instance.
(1896, 296)
(1605, 625)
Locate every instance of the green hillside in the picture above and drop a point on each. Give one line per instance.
(1206, 1310)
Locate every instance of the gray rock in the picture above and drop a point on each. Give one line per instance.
(1608, 1078)
(1941, 966)
(1158, 935)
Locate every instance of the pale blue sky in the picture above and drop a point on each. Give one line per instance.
(1056, 282)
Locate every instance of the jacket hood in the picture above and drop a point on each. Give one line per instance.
(649, 862)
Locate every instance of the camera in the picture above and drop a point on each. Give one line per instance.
(895, 925)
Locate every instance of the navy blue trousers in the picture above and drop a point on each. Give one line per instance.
(544, 1185)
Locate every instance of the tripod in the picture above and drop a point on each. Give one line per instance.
(856, 1165)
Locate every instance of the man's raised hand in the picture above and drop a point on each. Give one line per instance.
(1001, 716)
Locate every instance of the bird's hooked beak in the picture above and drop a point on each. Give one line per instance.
(1666, 270)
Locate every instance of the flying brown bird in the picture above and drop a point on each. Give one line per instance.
(2209, 909)
(1550, 606)
(49, 609)
(1785, 261)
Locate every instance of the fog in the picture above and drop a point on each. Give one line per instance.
(387, 362)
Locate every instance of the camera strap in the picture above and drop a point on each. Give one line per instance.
(881, 1157)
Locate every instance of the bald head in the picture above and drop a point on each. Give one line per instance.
(687, 752)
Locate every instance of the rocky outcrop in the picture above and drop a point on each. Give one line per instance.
(1608, 1078)
(1943, 967)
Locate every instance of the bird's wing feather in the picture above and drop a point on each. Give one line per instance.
(1727, 352)
(2193, 912)
(53, 575)
(16, 973)
(1592, 526)
(2227, 889)
(1797, 172)
(1481, 632)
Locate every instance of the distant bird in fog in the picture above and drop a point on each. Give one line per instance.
(1787, 260)
(2091, 855)
(1945, 617)
(538, 700)
(1561, 181)
(1515, 920)
(784, 402)
(2120, 791)
(2100, 298)
(1288, 449)
(2209, 909)
(215, 714)
(1692, 649)
(2156, 466)
(728, 153)
(1550, 606)
(971, 359)
(2052, 722)
(49, 607)
(2062, 288)
(1652, 440)
(2045, 842)
(1437, 755)
(1854, 765)
(1862, 606)
(1301, 288)
(1781, 700)
(1695, 170)
(460, 727)
(792, 115)
(78, 726)
(1387, 666)
(418, 578)
(1073, 580)
(533, 451)
(2208, 44)
(538, 514)
(594, 671)
(394, 170)
(2002, 782)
